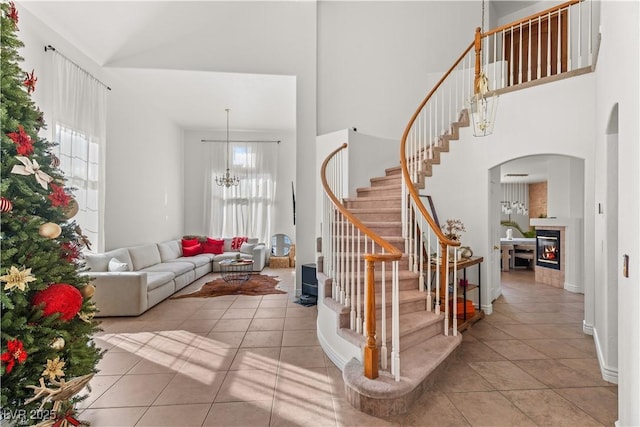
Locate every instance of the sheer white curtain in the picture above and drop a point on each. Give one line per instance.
(246, 209)
(79, 113)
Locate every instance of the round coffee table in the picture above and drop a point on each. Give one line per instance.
(236, 272)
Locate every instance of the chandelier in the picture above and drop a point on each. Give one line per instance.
(227, 180)
(482, 105)
(515, 197)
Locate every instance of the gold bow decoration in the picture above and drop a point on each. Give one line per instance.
(32, 168)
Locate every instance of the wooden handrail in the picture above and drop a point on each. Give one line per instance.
(532, 17)
(394, 253)
(371, 356)
(403, 159)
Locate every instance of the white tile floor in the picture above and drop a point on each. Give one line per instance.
(256, 361)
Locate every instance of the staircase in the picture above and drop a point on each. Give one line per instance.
(382, 247)
(424, 347)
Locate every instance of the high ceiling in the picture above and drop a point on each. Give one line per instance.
(129, 37)
(115, 34)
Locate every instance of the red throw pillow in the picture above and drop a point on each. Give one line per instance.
(189, 242)
(236, 242)
(192, 250)
(213, 246)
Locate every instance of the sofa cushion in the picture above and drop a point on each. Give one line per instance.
(253, 240)
(155, 279)
(100, 262)
(231, 255)
(247, 248)
(144, 256)
(169, 250)
(116, 265)
(196, 261)
(175, 267)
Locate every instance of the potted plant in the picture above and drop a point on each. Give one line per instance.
(453, 229)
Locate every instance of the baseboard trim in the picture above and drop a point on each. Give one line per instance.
(608, 374)
(487, 308)
(329, 352)
(586, 328)
(573, 288)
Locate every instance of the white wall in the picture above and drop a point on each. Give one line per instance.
(456, 187)
(143, 149)
(195, 155)
(374, 59)
(617, 83)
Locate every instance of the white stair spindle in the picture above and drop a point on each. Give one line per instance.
(455, 291)
(383, 327)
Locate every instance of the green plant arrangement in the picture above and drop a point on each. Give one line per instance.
(529, 234)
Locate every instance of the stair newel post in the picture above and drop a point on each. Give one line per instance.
(359, 284)
(478, 49)
(371, 352)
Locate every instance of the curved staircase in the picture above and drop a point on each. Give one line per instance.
(424, 347)
(384, 274)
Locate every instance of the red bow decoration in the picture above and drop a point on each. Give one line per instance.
(66, 418)
(30, 81)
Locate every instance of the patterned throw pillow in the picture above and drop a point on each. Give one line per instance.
(237, 242)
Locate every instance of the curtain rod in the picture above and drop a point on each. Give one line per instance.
(240, 140)
(49, 47)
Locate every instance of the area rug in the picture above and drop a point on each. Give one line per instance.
(257, 284)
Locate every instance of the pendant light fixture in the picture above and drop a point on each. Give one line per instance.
(227, 180)
(482, 105)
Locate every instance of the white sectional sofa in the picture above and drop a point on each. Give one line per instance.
(129, 281)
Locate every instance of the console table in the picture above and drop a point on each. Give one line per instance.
(463, 264)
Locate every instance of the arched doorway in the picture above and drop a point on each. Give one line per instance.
(561, 181)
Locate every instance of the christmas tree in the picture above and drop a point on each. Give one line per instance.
(47, 324)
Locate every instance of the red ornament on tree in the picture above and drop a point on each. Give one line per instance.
(59, 298)
(30, 81)
(22, 140)
(13, 13)
(5, 205)
(58, 197)
(70, 251)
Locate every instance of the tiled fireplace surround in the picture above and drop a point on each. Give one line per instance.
(551, 276)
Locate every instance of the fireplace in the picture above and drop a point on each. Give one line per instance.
(548, 249)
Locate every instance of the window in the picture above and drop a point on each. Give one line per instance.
(80, 161)
(79, 127)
